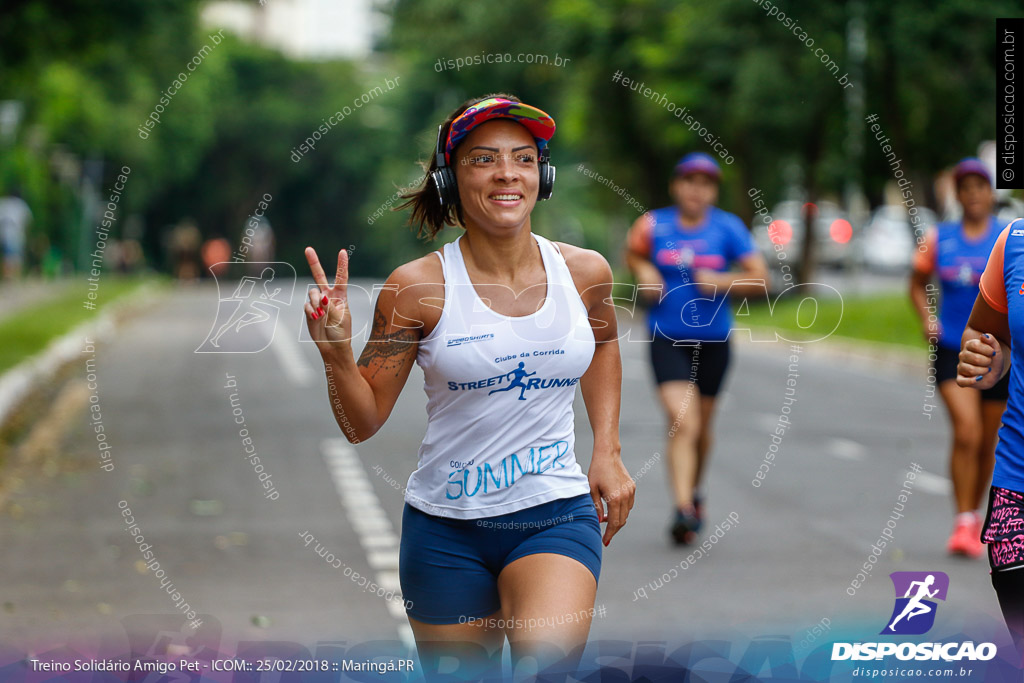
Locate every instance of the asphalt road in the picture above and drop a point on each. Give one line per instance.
(72, 574)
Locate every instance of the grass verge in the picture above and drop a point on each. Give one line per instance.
(886, 318)
(26, 332)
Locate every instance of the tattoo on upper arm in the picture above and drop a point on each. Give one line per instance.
(387, 352)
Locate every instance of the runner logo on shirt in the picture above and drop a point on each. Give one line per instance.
(518, 378)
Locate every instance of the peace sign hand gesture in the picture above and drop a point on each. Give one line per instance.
(327, 314)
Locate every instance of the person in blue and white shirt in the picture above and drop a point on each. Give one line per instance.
(682, 256)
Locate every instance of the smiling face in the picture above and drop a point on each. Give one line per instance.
(694, 193)
(497, 174)
(975, 194)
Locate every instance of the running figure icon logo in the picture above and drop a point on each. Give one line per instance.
(246, 319)
(516, 382)
(914, 612)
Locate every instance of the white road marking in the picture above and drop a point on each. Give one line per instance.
(847, 449)
(384, 559)
(376, 533)
(379, 541)
(405, 632)
(354, 484)
(358, 498)
(374, 525)
(390, 581)
(932, 483)
(294, 364)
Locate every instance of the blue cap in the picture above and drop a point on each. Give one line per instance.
(698, 162)
(969, 166)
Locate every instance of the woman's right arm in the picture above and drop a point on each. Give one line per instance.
(638, 259)
(362, 394)
(920, 277)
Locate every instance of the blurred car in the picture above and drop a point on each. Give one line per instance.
(888, 241)
(832, 231)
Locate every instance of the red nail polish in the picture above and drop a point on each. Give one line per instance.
(315, 315)
(324, 301)
(320, 310)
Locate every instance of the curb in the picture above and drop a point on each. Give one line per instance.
(18, 382)
(873, 355)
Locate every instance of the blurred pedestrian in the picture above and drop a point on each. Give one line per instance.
(263, 241)
(682, 257)
(184, 246)
(991, 341)
(500, 532)
(216, 252)
(15, 216)
(955, 253)
(132, 258)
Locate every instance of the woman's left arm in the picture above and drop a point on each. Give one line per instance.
(601, 385)
(984, 346)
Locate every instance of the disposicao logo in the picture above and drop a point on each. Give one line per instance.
(914, 614)
(916, 592)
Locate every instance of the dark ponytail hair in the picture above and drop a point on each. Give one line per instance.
(427, 210)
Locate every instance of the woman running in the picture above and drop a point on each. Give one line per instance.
(956, 253)
(682, 254)
(500, 532)
(991, 341)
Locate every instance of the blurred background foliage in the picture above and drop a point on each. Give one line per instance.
(87, 75)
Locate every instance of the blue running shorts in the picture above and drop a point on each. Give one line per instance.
(449, 567)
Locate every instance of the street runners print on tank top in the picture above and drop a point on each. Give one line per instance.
(500, 425)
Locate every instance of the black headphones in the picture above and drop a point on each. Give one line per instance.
(448, 191)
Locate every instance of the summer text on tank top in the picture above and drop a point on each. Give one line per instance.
(500, 425)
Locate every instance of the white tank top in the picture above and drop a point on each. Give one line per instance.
(500, 424)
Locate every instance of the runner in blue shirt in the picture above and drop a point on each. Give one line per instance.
(681, 256)
(990, 343)
(956, 253)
